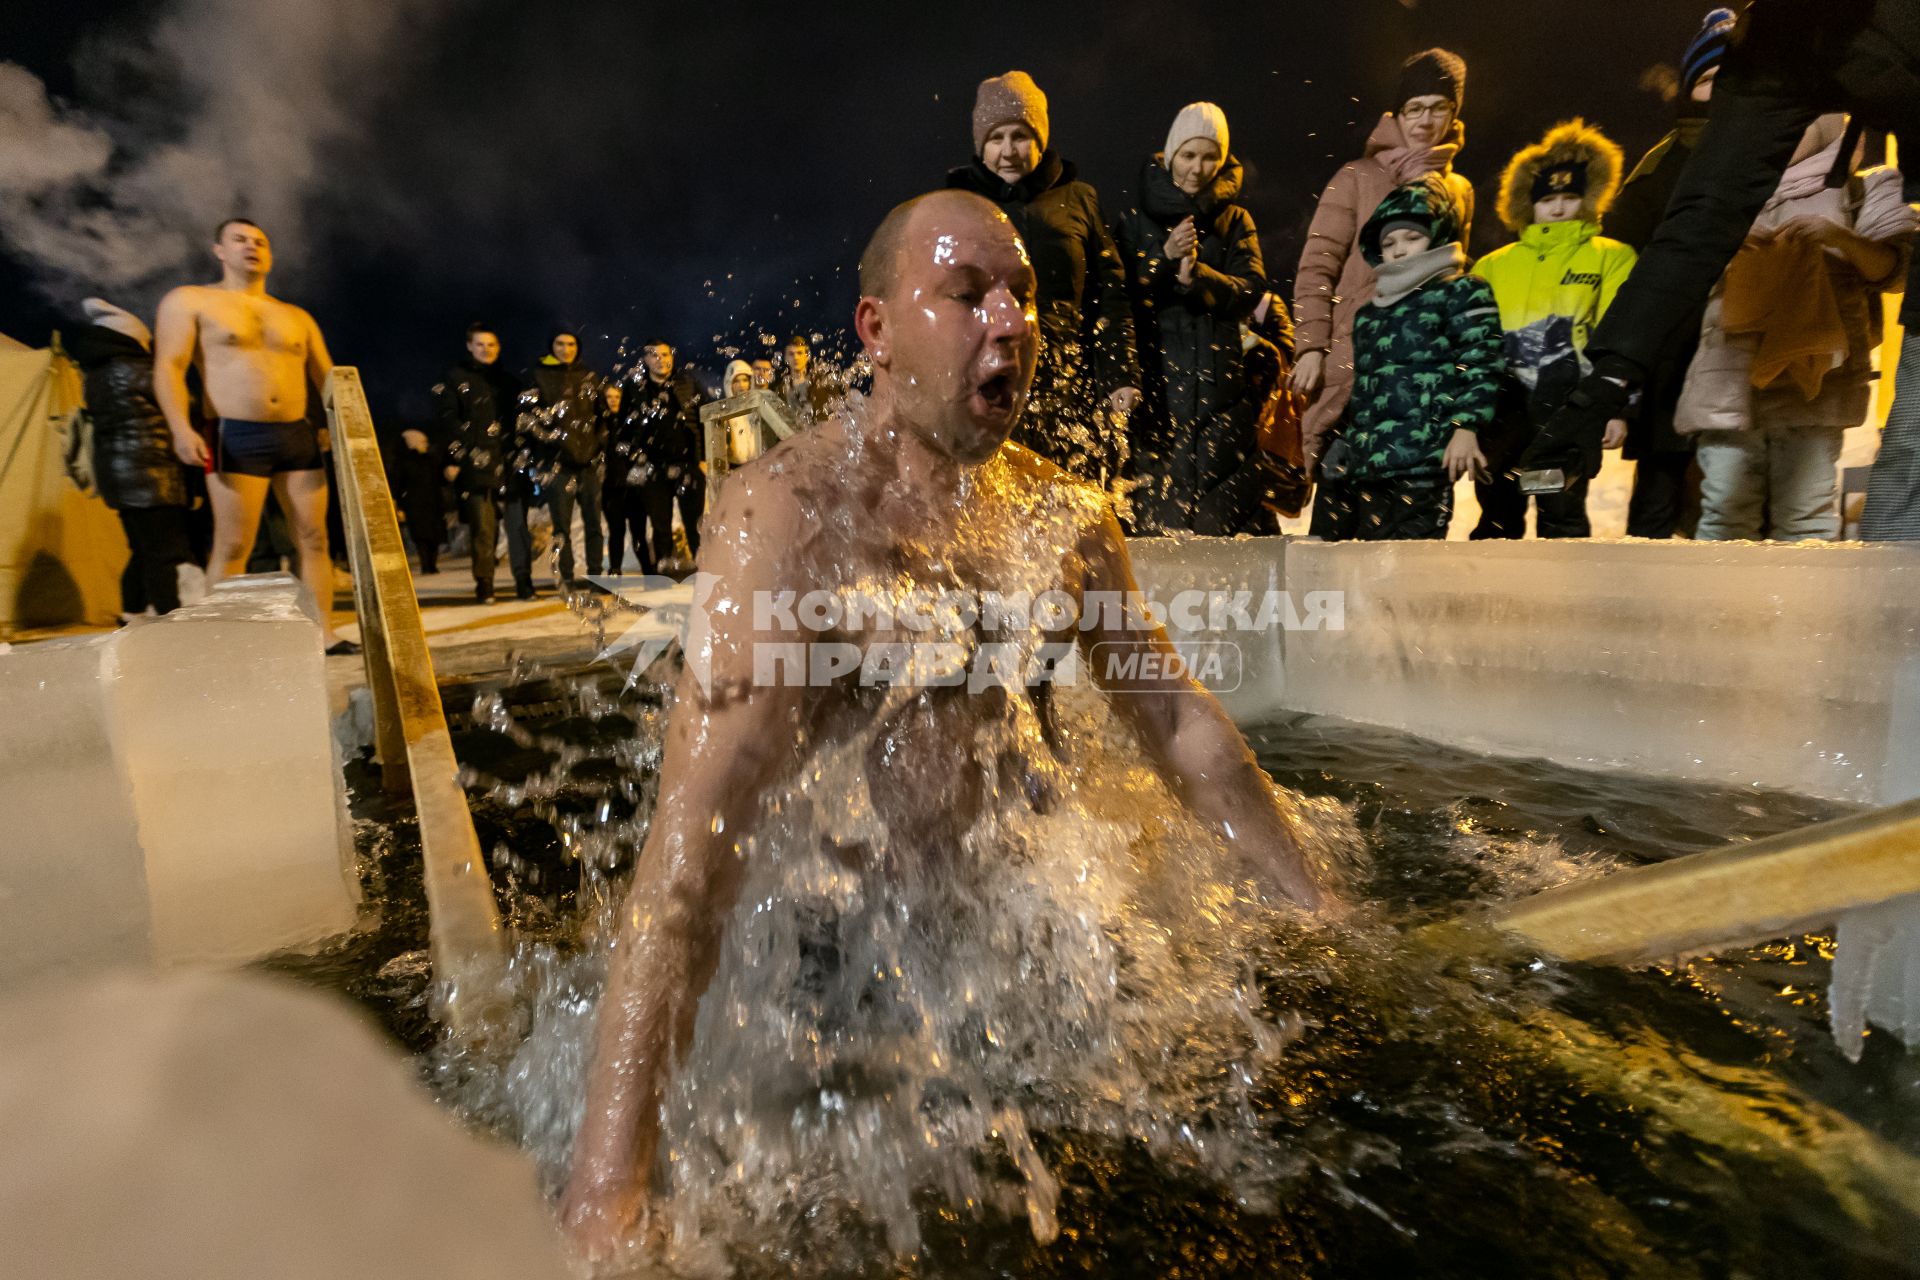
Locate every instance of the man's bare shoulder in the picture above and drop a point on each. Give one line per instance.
(826, 441)
(1028, 465)
(200, 298)
(813, 459)
(758, 505)
(1048, 484)
(189, 299)
(775, 469)
(768, 515)
(294, 309)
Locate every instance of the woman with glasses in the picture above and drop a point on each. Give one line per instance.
(1420, 136)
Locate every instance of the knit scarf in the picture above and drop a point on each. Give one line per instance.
(1405, 164)
(1395, 280)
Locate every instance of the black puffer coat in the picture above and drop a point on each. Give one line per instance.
(626, 435)
(565, 429)
(1189, 335)
(672, 437)
(1633, 219)
(477, 410)
(1190, 349)
(1233, 481)
(133, 460)
(1085, 323)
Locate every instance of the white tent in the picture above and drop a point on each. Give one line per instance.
(61, 551)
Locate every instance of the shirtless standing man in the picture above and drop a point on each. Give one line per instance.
(256, 356)
(936, 495)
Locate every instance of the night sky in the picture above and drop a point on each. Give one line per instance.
(710, 172)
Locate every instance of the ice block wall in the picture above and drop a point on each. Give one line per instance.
(171, 791)
(1794, 667)
(73, 888)
(1222, 567)
(208, 1126)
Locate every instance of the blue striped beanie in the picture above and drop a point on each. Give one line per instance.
(1709, 48)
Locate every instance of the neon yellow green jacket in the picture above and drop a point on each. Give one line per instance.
(1553, 284)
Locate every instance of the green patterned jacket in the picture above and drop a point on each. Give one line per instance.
(1423, 367)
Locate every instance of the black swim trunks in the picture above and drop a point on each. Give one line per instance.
(268, 448)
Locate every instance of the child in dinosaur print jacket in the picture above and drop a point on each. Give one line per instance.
(1428, 355)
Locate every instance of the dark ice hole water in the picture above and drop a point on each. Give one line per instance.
(1433, 1139)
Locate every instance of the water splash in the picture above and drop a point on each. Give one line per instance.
(881, 1025)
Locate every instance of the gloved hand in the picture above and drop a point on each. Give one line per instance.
(1571, 439)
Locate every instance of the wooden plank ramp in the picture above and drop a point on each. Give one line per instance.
(466, 942)
(1729, 897)
(1701, 904)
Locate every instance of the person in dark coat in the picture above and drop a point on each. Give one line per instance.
(1088, 380)
(1232, 479)
(1789, 62)
(1193, 263)
(669, 405)
(414, 469)
(1273, 322)
(1661, 455)
(134, 466)
(624, 493)
(807, 394)
(477, 407)
(565, 424)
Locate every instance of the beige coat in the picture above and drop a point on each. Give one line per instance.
(1334, 281)
(1719, 394)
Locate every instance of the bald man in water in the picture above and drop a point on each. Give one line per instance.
(921, 487)
(257, 356)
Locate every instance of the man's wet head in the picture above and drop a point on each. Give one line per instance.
(947, 316)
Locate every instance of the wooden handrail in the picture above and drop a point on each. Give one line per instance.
(466, 943)
(1730, 897)
(767, 412)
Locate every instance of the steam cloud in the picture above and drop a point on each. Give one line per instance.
(230, 106)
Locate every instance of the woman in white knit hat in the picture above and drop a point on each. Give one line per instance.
(1194, 270)
(1088, 378)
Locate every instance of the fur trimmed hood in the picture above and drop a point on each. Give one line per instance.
(1575, 142)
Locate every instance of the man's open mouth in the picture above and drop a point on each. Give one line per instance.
(996, 393)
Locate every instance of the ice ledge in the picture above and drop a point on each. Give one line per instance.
(1794, 667)
(172, 791)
